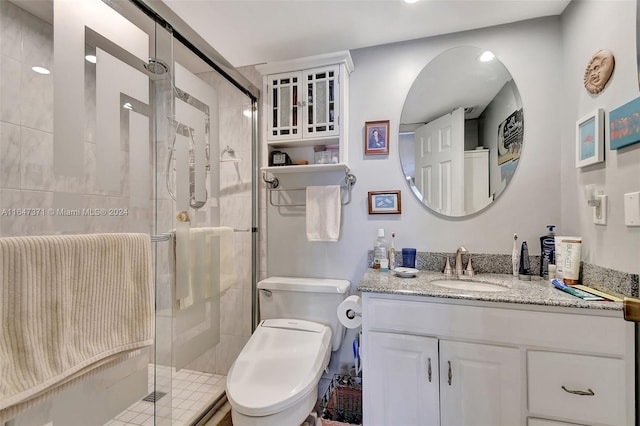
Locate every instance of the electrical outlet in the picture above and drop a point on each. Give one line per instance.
(632, 209)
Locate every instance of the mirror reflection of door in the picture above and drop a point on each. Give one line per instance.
(475, 83)
(440, 162)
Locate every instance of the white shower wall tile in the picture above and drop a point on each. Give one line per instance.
(10, 71)
(9, 155)
(233, 212)
(106, 223)
(13, 225)
(89, 101)
(37, 41)
(36, 99)
(247, 324)
(230, 306)
(227, 351)
(37, 160)
(10, 30)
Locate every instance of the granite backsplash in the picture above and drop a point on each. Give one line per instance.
(598, 277)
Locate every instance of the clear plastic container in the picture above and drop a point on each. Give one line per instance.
(380, 249)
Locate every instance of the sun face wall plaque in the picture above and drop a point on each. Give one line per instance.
(599, 71)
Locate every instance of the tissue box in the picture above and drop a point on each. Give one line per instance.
(330, 156)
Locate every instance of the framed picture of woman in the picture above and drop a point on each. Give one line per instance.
(376, 141)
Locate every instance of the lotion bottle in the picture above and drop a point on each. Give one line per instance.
(547, 251)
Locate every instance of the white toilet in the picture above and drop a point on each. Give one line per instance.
(274, 380)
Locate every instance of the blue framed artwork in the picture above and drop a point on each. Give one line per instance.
(589, 139)
(624, 125)
(385, 202)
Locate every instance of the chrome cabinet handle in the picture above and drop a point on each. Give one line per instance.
(429, 370)
(450, 373)
(589, 392)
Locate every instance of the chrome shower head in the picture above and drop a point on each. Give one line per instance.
(156, 66)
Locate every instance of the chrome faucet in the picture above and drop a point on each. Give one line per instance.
(459, 269)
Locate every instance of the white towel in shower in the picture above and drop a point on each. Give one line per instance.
(70, 304)
(204, 268)
(323, 213)
(203, 262)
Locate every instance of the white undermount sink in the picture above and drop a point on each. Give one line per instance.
(469, 285)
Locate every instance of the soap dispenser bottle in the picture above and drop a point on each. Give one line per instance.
(547, 251)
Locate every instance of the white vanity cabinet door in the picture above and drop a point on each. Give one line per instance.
(480, 385)
(401, 380)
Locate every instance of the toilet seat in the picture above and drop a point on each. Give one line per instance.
(279, 366)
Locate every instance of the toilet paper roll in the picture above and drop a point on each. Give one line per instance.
(350, 312)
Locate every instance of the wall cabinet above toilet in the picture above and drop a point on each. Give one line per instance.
(305, 104)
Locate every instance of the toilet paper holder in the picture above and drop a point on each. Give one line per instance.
(351, 314)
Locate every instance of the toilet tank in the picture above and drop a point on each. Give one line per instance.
(311, 299)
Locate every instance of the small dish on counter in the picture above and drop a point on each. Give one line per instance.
(403, 272)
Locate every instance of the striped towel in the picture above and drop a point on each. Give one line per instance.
(68, 304)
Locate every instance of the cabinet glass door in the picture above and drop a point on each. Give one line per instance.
(322, 110)
(285, 109)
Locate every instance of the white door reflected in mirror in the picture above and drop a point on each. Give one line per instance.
(461, 132)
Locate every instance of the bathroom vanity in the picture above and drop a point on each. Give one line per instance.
(527, 354)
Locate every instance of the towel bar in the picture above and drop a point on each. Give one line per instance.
(350, 180)
(167, 235)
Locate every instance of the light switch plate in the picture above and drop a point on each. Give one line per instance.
(632, 209)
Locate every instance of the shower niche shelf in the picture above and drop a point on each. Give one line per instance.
(305, 105)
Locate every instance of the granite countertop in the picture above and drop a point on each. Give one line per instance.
(534, 292)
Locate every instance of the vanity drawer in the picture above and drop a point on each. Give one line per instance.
(556, 381)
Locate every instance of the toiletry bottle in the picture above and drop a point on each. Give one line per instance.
(524, 272)
(392, 252)
(515, 256)
(380, 249)
(547, 250)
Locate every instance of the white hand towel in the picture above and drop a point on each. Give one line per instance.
(323, 213)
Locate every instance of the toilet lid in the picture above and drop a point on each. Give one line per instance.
(282, 361)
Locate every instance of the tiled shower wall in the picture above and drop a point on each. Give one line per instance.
(27, 180)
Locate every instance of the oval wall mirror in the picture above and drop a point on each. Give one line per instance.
(461, 132)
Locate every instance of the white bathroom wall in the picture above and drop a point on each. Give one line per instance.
(589, 26)
(378, 87)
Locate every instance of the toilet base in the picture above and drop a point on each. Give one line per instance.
(292, 416)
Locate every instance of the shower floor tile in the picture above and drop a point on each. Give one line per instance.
(190, 394)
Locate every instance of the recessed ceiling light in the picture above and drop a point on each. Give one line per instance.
(410, 1)
(91, 58)
(486, 56)
(41, 70)
(128, 106)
